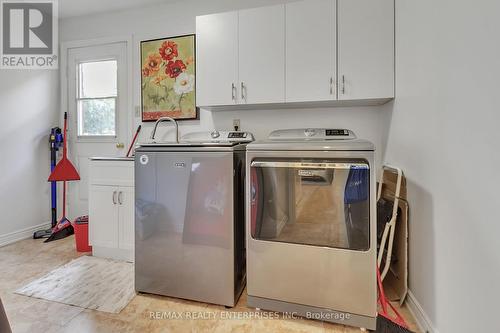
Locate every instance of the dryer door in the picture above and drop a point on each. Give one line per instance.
(312, 202)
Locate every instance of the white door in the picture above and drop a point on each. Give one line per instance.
(104, 218)
(311, 50)
(126, 213)
(216, 59)
(365, 49)
(97, 111)
(262, 55)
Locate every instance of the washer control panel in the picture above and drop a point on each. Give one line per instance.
(218, 136)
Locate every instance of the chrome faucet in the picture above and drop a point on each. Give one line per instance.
(166, 119)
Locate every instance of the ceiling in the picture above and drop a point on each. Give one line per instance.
(71, 8)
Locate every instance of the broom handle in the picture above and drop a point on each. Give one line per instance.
(133, 140)
(65, 143)
(384, 302)
(64, 134)
(64, 199)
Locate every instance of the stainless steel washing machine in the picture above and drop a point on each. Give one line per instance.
(190, 217)
(311, 231)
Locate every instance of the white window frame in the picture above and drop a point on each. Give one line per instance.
(79, 86)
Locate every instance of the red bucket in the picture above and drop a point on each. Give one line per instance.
(81, 226)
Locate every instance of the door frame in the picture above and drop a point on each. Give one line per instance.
(63, 71)
(66, 46)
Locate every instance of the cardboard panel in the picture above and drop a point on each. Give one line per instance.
(396, 280)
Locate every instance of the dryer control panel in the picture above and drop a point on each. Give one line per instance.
(300, 134)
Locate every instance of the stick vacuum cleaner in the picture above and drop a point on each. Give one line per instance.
(55, 142)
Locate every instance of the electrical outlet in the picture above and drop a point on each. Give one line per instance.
(236, 124)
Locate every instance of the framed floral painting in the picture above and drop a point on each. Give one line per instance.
(168, 75)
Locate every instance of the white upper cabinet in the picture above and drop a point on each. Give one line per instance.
(311, 51)
(262, 55)
(333, 51)
(365, 49)
(217, 59)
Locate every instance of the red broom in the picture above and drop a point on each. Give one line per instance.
(386, 323)
(64, 171)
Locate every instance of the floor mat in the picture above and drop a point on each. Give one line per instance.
(88, 282)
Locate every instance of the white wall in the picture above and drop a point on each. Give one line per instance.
(178, 19)
(28, 109)
(444, 134)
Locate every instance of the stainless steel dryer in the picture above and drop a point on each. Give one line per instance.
(190, 217)
(311, 231)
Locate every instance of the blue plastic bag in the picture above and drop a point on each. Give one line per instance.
(357, 185)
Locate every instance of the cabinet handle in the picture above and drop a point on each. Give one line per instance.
(331, 85)
(120, 194)
(243, 90)
(343, 85)
(114, 197)
(233, 91)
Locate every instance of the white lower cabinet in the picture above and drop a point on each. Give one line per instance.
(111, 210)
(103, 213)
(126, 200)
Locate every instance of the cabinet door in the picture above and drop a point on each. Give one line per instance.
(365, 49)
(103, 215)
(216, 59)
(262, 55)
(311, 50)
(126, 217)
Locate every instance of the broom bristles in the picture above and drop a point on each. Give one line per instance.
(386, 325)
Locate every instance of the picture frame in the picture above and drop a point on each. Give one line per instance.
(168, 78)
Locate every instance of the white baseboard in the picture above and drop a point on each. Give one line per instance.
(21, 234)
(424, 323)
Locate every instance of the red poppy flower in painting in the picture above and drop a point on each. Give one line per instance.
(168, 50)
(174, 68)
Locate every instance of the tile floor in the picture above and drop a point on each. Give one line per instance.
(26, 260)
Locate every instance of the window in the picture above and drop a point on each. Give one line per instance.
(97, 94)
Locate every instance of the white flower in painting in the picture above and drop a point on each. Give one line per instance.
(184, 83)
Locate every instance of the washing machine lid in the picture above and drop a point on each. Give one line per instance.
(204, 141)
(323, 139)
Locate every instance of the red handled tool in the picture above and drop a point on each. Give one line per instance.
(133, 140)
(386, 323)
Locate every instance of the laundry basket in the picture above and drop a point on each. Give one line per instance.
(81, 226)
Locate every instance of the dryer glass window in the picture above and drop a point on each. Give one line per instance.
(312, 202)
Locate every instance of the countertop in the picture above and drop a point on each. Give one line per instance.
(100, 158)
